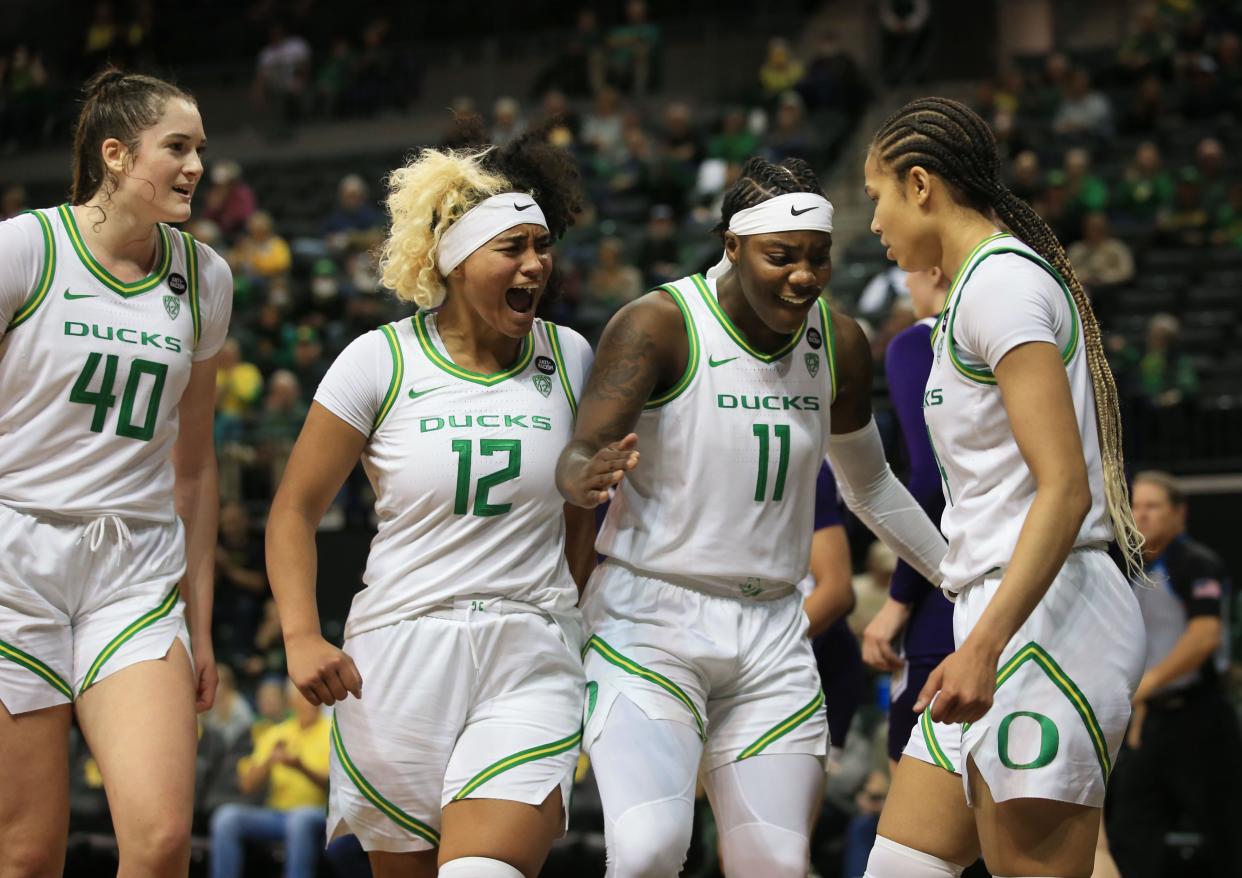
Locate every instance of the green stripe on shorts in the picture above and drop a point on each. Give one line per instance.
(630, 666)
(784, 727)
(519, 758)
(32, 664)
(933, 746)
(144, 621)
(372, 795)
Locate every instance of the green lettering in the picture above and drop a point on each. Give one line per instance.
(453, 421)
(540, 422)
(72, 327)
(810, 403)
(173, 344)
(726, 401)
(515, 421)
(750, 399)
(1049, 740)
(775, 403)
(935, 396)
(95, 332)
(791, 402)
(483, 422)
(430, 425)
(120, 334)
(151, 340)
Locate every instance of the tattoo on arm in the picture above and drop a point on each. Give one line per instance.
(626, 369)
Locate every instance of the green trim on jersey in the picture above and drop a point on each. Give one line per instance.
(419, 322)
(554, 342)
(519, 758)
(736, 334)
(692, 357)
(32, 664)
(613, 657)
(984, 375)
(1033, 652)
(191, 270)
(784, 727)
(144, 621)
(958, 278)
(933, 745)
(150, 282)
(372, 795)
(39, 293)
(398, 375)
(830, 345)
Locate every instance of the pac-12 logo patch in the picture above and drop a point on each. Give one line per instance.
(812, 364)
(173, 306)
(177, 283)
(545, 365)
(813, 338)
(543, 384)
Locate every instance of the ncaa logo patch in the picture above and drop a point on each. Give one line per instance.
(543, 384)
(173, 306)
(177, 283)
(812, 364)
(545, 365)
(814, 339)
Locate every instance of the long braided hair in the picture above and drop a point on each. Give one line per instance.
(761, 180)
(950, 140)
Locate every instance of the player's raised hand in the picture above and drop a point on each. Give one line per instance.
(590, 480)
(322, 673)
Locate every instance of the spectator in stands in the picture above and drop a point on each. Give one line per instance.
(1210, 163)
(308, 360)
(270, 704)
(26, 99)
(104, 39)
(355, 221)
(290, 760)
(871, 586)
(1181, 767)
(790, 136)
(261, 252)
(1149, 47)
(241, 583)
(1145, 188)
(238, 384)
(268, 651)
(1229, 64)
(230, 715)
(1045, 92)
(1086, 192)
(1146, 108)
(1026, 177)
(230, 201)
(632, 49)
(1164, 376)
(603, 129)
(12, 202)
(282, 77)
(284, 411)
(1227, 229)
(905, 28)
(736, 142)
(659, 254)
(1099, 259)
(1053, 205)
(833, 80)
(579, 67)
(507, 121)
(888, 288)
(860, 834)
(780, 71)
(1084, 115)
(1204, 96)
(1187, 222)
(335, 78)
(611, 284)
(384, 77)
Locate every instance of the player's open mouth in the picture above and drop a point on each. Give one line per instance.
(183, 191)
(798, 301)
(521, 299)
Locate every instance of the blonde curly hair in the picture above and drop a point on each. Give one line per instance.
(425, 197)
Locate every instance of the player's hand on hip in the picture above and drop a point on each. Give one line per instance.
(322, 673)
(603, 471)
(964, 682)
(881, 633)
(205, 679)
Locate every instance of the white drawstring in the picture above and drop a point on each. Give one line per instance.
(98, 529)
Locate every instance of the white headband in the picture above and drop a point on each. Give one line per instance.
(792, 212)
(483, 222)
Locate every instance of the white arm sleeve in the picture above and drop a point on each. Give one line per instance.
(216, 298)
(357, 382)
(881, 502)
(21, 262)
(1011, 301)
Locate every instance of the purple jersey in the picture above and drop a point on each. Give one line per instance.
(907, 363)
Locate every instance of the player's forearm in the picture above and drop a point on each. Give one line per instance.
(1047, 535)
(292, 563)
(576, 455)
(197, 502)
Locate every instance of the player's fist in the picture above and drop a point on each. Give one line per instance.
(589, 480)
(322, 673)
(881, 633)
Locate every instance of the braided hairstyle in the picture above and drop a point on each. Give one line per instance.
(950, 140)
(761, 180)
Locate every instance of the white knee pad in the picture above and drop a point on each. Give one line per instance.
(767, 850)
(892, 860)
(478, 867)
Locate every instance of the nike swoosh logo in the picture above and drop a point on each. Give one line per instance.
(71, 296)
(795, 212)
(415, 394)
(714, 362)
(516, 206)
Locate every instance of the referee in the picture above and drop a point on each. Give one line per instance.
(1181, 767)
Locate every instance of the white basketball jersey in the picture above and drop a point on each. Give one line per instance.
(92, 369)
(987, 485)
(724, 491)
(463, 466)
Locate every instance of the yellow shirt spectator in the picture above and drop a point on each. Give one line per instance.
(238, 384)
(289, 786)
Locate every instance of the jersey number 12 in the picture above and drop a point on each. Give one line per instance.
(463, 448)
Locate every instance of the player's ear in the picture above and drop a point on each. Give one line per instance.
(733, 247)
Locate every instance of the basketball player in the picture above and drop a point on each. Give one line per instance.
(461, 652)
(111, 322)
(727, 386)
(916, 618)
(1020, 724)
